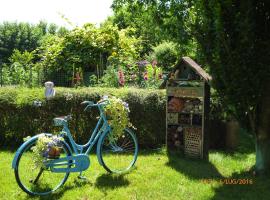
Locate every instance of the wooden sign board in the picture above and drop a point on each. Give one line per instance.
(193, 92)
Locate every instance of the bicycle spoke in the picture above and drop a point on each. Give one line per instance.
(118, 156)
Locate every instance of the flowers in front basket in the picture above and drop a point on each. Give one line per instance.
(117, 114)
(47, 147)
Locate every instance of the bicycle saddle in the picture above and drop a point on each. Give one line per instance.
(60, 121)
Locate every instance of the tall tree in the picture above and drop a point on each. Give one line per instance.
(234, 40)
(156, 21)
(23, 36)
(234, 36)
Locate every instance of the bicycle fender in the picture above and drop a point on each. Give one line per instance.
(26, 143)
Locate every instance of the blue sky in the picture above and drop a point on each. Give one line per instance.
(77, 11)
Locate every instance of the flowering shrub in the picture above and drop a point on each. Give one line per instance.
(117, 114)
(152, 76)
(141, 74)
(43, 148)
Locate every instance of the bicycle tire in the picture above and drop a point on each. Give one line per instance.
(20, 173)
(121, 156)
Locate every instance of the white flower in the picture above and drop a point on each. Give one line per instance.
(105, 97)
(68, 96)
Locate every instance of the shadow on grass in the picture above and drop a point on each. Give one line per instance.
(240, 185)
(59, 193)
(103, 182)
(243, 185)
(107, 181)
(193, 168)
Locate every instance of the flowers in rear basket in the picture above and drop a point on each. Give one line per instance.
(47, 147)
(117, 114)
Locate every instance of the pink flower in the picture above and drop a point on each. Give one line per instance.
(154, 63)
(145, 76)
(121, 78)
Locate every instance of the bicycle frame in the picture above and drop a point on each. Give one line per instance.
(96, 134)
(76, 148)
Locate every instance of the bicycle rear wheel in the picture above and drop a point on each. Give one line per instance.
(38, 180)
(118, 154)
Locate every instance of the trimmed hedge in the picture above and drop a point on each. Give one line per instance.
(19, 118)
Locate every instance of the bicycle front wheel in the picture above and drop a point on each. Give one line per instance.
(118, 154)
(38, 180)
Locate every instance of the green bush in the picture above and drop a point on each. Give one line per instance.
(110, 77)
(19, 118)
(166, 55)
(21, 69)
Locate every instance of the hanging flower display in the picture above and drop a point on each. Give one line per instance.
(117, 112)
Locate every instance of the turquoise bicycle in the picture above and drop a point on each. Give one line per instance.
(115, 154)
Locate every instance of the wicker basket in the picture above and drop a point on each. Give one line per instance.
(54, 153)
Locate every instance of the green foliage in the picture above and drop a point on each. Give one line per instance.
(166, 55)
(110, 78)
(52, 62)
(20, 52)
(127, 49)
(93, 80)
(232, 37)
(143, 19)
(234, 47)
(156, 21)
(57, 53)
(21, 70)
(85, 47)
(19, 118)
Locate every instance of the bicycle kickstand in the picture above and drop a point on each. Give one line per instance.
(82, 177)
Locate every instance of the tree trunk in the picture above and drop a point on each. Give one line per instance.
(263, 133)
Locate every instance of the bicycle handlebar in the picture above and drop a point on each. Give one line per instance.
(92, 104)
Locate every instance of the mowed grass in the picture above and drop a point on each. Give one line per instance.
(157, 175)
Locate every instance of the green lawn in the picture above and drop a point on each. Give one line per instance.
(156, 176)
